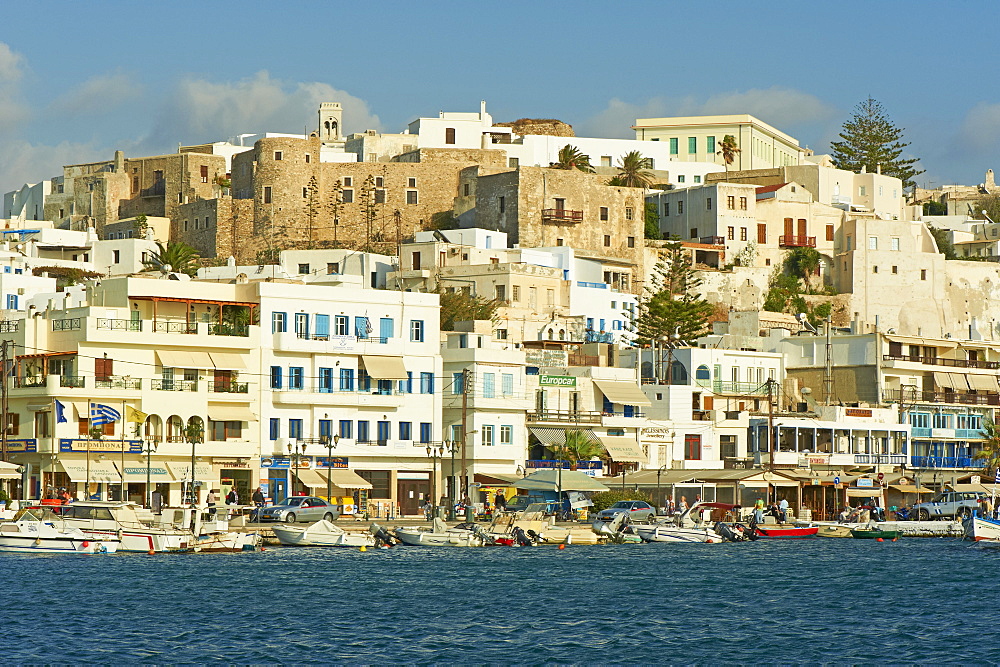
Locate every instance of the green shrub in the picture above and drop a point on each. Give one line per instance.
(606, 499)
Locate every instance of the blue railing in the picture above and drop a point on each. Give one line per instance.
(552, 463)
(920, 432)
(945, 462)
(598, 337)
(582, 283)
(880, 459)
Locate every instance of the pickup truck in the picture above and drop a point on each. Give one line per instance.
(950, 504)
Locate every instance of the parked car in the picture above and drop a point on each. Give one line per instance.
(950, 504)
(637, 510)
(521, 503)
(300, 508)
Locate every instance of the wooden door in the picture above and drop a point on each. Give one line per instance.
(802, 228)
(789, 227)
(410, 494)
(103, 369)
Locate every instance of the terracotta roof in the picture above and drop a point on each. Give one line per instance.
(770, 188)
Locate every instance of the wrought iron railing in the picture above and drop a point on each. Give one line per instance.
(907, 397)
(174, 385)
(10, 326)
(938, 361)
(797, 241)
(175, 327)
(68, 324)
(565, 465)
(75, 381)
(573, 416)
(880, 459)
(228, 330)
(30, 381)
(118, 382)
(119, 325)
(228, 387)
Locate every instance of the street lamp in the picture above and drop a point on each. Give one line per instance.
(434, 451)
(149, 449)
(331, 444)
(296, 449)
(659, 472)
(452, 447)
(194, 432)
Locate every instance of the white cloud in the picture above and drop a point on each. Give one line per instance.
(201, 110)
(98, 94)
(980, 130)
(10, 64)
(24, 162)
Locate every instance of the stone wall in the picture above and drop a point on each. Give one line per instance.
(159, 184)
(545, 126)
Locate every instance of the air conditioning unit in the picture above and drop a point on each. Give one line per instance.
(452, 251)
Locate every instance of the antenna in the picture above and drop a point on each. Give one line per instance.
(804, 321)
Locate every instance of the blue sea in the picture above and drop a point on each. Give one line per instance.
(820, 600)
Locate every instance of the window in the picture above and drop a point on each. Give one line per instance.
(348, 181)
(731, 202)
(425, 432)
(631, 242)
(364, 381)
(325, 380)
(666, 208)
(322, 327)
(894, 243)
(829, 232)
(363, 435)
(325, 428)
(923, 274)
(385, 328)
(411, 182)
(606, 159)
(488, 435)
(502, 203)
(332, 268)
(515, 293)
(489, 385)
(277, 155)
(629, 213)
(507, 384)
(295, 377)
(920, 420)
(692, 447)
(457, 383)
(466, 188)
(346, 428)
(449, 135)
(708, 203)
(12, 301)
(743, 233)
(849, 242)
(692, 145)
(340, 325)
(743, 203)
(697, 178)
(500, 292)
(604, 213)
(222, 431)
(267, 194)
(673, 145)
(607, 240)
(680, 178)
(727, 446)
(275, 377)
(761, 233)
(382, 430)
(942, 421)
(506, 435)
(406, 430)
(417, 331)
(346, 379)
(694, 232)
(426, 383)
(874, 269)
(379, 196)
(731, 233)
(411, 196)
(513, 162)
(295, 428)
(680, 208)
(275, 428)
(861, 190)
(895, 269)
(873, 243)
(347, 196)
(302, 325)
(710, 145)
(308, 158)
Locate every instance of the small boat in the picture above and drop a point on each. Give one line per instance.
(38, 530)
(321, 534)
(982, 529)
(440, 535)
(785, 531)
(691, 526)
(875, 534)
(836, 529)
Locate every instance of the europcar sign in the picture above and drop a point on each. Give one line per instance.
(557, 380)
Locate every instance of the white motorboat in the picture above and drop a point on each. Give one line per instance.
(690, 526)
(127, 522)
(440, 535)
(982, 529)
(39, 530)
(321, 534)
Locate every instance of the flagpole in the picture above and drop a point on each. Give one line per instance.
(124, 497)
(90, 434)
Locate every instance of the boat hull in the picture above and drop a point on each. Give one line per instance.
(834, 531)
(309, 537)
(29, 537)
(140, 541)
(981, 529)
(423, 538)
(875, 534)
(674, 534)
(787, 532)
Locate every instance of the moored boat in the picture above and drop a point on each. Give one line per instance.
(439, 535)
(875, 534)
(321, 534)
(692, 526)
(784, 531)
(982, 529)
(38, 530)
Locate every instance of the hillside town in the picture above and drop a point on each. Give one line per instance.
(708, 309)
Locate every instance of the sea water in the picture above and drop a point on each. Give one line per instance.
(819, 600)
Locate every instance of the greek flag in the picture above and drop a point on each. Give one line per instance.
(60, 413)
(997, 478)
(103, 414)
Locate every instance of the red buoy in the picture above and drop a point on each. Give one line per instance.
(151, 552)
(880, 540)
(86, 544)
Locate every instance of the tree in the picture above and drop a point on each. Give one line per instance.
(673, 304)
(632, 171)
(652, 219)
(570, 157)
(460, 306)
(872, 141)
(728, 148)
(989, 452)
(180, 257)
(990, 204)
(803, 263)
(944, 244)
(938, 208)
(576, 447)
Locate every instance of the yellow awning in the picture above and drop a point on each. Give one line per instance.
(951, 380)
(100, 471)
(184, 359)
(9, 471)
(311, 478)
(927, 342)
(622, 393)
(982, 382)
(231, 413)
(384, 368)
(344, 479)
(182, 472)
(864, 492)
(227, 360)
(623, 449)
(908, 488)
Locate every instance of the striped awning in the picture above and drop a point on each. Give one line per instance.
(951, 381)
(557, 436)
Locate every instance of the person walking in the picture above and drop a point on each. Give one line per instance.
(258, 501)
(211, 501)
(783, 510)
(233, 498)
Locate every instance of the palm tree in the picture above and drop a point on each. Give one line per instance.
(632, 171)
(570, 157)
(728, 148)
(989, 452)
(577, 447)
(180, 257)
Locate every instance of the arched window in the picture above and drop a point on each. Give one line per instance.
(702, 373)
(562, 334)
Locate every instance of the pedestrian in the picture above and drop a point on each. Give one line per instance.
(258, 499)
(683, 507)
(987, 507)
(64, 496)
(500, 502)
(783, 509)
(211, 500)
(232, 498)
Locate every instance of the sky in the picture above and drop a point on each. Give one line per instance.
(80, 80)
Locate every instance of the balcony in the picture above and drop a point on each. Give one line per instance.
(565, 465)
(68, 324)
(910, 397)
(598, 337)
(174, 385)
(119, 325)
(561, 215)
(712, 240)
(797, 241)
(228, 387)
(880, 459)
(10, 326)
(118, 382)
(30, 381)
(736, 388)
(938, 361)
(75, 381)
(161, 326)
(228, 330)
(946, 462)
(565, 416)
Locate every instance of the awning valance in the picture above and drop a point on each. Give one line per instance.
(182, 472)
(135, 471)
(384, 368)
(344, 479)
(864, 492)
(184, 359)
(622, 393)
(311, 478)
(982, 382)
(227, 360)
(231, 413)
(99, 471)
(557, 436)
(908, 488)
(623, 449)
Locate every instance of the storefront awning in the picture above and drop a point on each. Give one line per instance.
(182, 472)
(622, 449)
(227, 360)
(864, 492)
(135, 471)
(344, 479)
(951, 381)
(184, 359)
(231, 413)
(311, 478)
(982, 382)
(9, 471)
(622, 393)
(908, 488)
(557, 436)
(99, 471)
(384, 368)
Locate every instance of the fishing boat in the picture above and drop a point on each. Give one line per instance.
(38, 530)
(440, 535)
(836, 529)
(981, 528)
(874, 533)
(689, 526)
(785, 531)
(321, 534)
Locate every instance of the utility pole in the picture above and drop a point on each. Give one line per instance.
(466, 381)
(4, 387)
(772, 441)
(828, 370)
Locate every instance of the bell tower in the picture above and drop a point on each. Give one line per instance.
(329, 121)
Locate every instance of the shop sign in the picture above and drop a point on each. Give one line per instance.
(865, 482)
(976, 479)
(858, 412)
(29, 445)
(655, 433)
(129, 446)
(339, 462)
(231, 463)
(285, 462)
(546, 357)
(556, 381)
(343, 342)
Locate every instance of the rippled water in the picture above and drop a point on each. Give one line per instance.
(821, 600)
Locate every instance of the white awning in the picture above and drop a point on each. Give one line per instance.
(182, 472)
(384, 368)
(311, 478)
(865, 492)
(100, 471)
(231, 413)
(557, 436)
(9, 471)
(184, 359)
(982, 382)
(622, 393)
(135, 471)
(927, 342)
(344, 479)
(623, 449)
(38, 407)
(951, 380)
(227, 360)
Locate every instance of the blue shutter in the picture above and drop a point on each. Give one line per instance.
(456, 382)
(326, 380)
(275, 430)
(425, 432)
(362, 431)
(275, 377)
(322, 326)
(385, 328)
(326, 428)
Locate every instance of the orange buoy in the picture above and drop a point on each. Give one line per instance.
(151, 552)
(880, 540)
(562, 546)
(86, 544)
